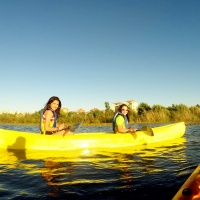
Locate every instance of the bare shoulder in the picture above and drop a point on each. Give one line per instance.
(48, 112)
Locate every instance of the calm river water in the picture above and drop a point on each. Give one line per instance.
(153, 172)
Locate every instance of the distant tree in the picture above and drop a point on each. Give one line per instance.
(179, 112)
(143, 108)
(160, 113)
(158, 107)
(108, 115)
(132, 115)
(195, 112)
(107, 106)
(156, 113)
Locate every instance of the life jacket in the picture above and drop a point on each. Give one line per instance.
(114, 120)
(52, 121)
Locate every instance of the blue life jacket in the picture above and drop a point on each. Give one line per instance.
(114, 120)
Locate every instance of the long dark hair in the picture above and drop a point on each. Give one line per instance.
(48, 107)
(120, 110)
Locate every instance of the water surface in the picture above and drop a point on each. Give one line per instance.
(147, 172)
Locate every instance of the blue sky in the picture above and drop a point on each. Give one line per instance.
(88, 52)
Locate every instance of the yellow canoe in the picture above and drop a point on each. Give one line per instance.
(10, 139)
(190, 190)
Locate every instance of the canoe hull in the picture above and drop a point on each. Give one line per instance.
(31, 141)
(190, 190)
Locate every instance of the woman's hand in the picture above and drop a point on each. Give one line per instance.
(61, 127)
(132, 130)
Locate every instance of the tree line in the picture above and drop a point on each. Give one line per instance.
(144, 114)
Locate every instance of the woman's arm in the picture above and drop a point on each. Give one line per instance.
(120, 125)
(120, 129)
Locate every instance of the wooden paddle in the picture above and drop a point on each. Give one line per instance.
(148, 130)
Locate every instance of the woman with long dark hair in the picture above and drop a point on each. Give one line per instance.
(121, 120)
(49, 116)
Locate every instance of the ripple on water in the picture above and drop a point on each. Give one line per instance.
(151, 172)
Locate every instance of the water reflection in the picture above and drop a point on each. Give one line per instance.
(19, 154)
(174, 150)
(88, 171)
(54, 173)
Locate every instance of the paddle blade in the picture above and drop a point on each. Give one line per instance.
(148, 130)
(75, 127)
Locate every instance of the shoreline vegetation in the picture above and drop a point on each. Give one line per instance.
(144, 114)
